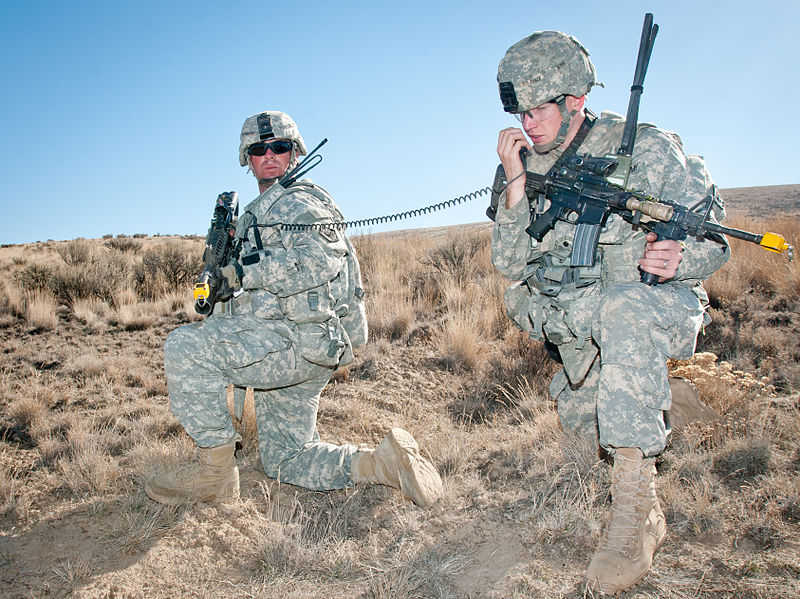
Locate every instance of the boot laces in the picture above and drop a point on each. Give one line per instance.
(623, 531)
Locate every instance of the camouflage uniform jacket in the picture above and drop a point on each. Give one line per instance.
(661, 169)
(296, 276)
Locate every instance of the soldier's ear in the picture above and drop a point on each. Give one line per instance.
(577, 103)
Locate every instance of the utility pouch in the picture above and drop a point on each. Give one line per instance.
(314, 305)
(517, 299)
(322, 343)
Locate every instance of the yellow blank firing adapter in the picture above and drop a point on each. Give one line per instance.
(201, 292)
(776, 243)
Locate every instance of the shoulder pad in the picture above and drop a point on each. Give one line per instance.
(670, 135)
(308, 186)
(608, 114)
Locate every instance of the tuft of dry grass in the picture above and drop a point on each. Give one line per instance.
(134, 317)
(40, 312)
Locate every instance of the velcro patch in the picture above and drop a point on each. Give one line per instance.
(329, 233)
(265, 127)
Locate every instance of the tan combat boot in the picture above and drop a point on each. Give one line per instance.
(213, 477)
(636, 528)
(397, 462)
(686, 406)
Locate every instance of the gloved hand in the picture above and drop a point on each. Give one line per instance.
(233, 274)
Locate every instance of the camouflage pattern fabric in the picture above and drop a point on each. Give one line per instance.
(615, 334)
(280, 336)
(543, 66)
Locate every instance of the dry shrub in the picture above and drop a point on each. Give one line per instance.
(569, 492)
(124, 244)
(417, 571)
(389, 314)
(692, 506)
(514, 383)
(307, 539)
(742, 460)
(752, 268)
(11, 481)
(89, 471)
(461, 345)
(12, 300)
(367, 252)
(144, 521)
(72, 573)
(755, 311)
(524, 365)
(88, 467)
(455, 258)
(101, 279)
(26, 412)
(166, 268)
(34, 277)
(86, 366)
(77, 252)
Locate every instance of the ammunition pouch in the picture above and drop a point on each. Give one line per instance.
(313, 305)
(558, 313)
(259, 302)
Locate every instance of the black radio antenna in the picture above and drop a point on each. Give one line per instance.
(310, 161)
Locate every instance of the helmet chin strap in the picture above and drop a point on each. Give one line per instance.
(561, 136)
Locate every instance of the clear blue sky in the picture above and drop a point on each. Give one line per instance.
(123, 118)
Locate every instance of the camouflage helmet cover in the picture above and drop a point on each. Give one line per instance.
(270, 124)
(542, 67)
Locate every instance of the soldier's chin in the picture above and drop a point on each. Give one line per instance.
(267, 182)
(543, 148)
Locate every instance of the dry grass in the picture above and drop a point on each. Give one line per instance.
(84, 421)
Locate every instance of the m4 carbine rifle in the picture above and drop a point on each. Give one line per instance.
(582, 187)
(210, 285)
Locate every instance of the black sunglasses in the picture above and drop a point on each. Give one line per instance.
(279, 146)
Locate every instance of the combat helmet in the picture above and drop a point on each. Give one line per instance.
(270, 124)
(545, 67)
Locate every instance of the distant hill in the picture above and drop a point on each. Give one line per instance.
(768, 201)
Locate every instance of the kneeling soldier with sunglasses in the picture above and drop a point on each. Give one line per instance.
(294, 318)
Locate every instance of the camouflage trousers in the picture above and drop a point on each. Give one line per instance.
(203, 358)
(621, 400)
